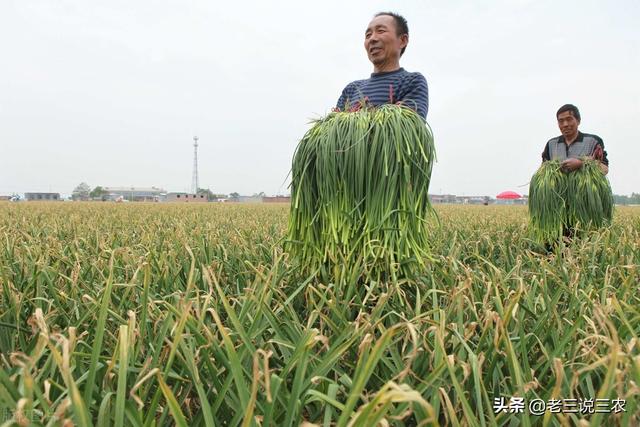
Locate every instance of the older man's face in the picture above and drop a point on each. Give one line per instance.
(381, 40)
(568, 124)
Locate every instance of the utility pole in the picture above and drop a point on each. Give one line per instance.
(194, 178)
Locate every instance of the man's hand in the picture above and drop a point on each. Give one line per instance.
(604, 168)
(571, 165)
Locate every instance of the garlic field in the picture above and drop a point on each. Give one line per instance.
(161, 314)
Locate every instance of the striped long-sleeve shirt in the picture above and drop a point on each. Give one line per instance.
(388, 88)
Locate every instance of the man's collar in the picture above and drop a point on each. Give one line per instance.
(578, 138)
(386, 73)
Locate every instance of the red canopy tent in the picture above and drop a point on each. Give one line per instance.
(508, 195)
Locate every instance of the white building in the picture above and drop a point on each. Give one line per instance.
(135, 194)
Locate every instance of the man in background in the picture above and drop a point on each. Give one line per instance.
(573, 144)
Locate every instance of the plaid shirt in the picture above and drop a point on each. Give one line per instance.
(584, 145)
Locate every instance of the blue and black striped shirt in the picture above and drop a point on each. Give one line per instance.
(389, 88)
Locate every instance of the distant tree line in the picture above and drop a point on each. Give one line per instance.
(633, 199)
(84, 192)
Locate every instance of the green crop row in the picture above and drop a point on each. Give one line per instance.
(149, 315)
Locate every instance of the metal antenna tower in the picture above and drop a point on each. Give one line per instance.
(194, 180)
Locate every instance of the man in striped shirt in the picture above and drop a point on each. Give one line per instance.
(385, 40)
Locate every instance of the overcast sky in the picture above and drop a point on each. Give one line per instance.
(112, 92)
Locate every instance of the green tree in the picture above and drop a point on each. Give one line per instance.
(81, 192)
(99, 193)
